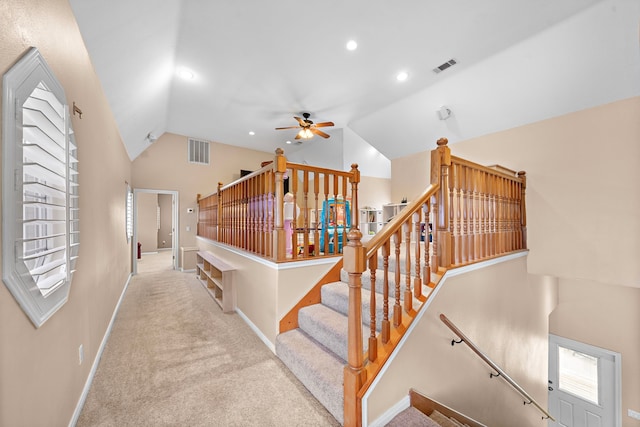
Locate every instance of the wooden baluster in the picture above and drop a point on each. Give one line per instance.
(512, 215)
(464, 216)
(316, 234)
(261, 209)
(257, 216)
(397, 309)
(476, 217)
(456, 213)
(325, 223)
(305, 210)
(417, 281)
(491, 215)
(293, 188)
(249, 212)
(469, 208)
(408, 295)
(353, 219)
(472, 223)
(498, 215)
(336, 191)
(385, 329)
(269, 240)
(373, 341)
(523, 210)
(243, 214)
(434, 237)
(279, 244)
(485, 209)
(426, 275)
(502, 214)
(220, 217)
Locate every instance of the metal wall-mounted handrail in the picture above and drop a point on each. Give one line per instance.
(492, 364)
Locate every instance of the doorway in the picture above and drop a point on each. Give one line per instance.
(146, 215)
(584, 384)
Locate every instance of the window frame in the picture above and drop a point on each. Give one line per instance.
(23, 222)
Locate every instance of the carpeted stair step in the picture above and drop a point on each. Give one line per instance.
(336, 296)
(317, 368)
(328, 327)
(411, 417)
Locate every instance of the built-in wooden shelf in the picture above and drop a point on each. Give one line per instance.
(217, 276)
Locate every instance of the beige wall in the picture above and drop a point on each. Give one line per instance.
(147, 221)
(40, 378)
(605, 316)
(583, 190)
(164, 166)
(410, 176)
(501, 309)
(374, 192)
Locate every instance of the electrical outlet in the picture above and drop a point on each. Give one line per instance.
(188, 228)
(634, 414)
(81, 354)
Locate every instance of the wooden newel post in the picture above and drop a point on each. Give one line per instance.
(440, 164)
(354, 264)
(354, 373)
(523, 208)
(219, 216)
(279, 168)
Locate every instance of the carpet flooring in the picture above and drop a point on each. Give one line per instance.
(174, 359)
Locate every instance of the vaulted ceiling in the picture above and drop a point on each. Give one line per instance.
(256, 64)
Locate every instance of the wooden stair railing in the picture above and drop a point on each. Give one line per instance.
(477, 213)
(249, 213)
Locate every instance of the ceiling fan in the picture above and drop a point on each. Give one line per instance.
(308, 128)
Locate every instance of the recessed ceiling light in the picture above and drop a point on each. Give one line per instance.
(252, 133)
(186, 74)
(352, 45)
(288, 142)
(402, 76)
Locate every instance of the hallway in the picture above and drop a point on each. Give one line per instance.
(174, 359)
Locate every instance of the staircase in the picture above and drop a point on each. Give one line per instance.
(316, 352)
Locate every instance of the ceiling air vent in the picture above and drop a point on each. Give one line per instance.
(444, 66)
(198, 151)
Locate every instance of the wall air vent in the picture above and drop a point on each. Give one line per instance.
(444, 66)
(198, 151)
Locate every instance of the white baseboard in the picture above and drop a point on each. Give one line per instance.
(385, 418)
(96, 361)
(191, 270)
(257, 331)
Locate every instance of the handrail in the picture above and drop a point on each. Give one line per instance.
(493, 366)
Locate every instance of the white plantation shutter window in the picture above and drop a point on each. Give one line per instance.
(198, 151)
(129, 213)
(40, 189)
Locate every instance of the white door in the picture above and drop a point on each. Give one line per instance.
(584, 384)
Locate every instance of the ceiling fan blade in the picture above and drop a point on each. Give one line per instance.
(319, 133)
(301, 121)
(288, 127)
(324, 124)
(298, 136)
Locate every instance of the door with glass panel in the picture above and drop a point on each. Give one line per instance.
(583, 384)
